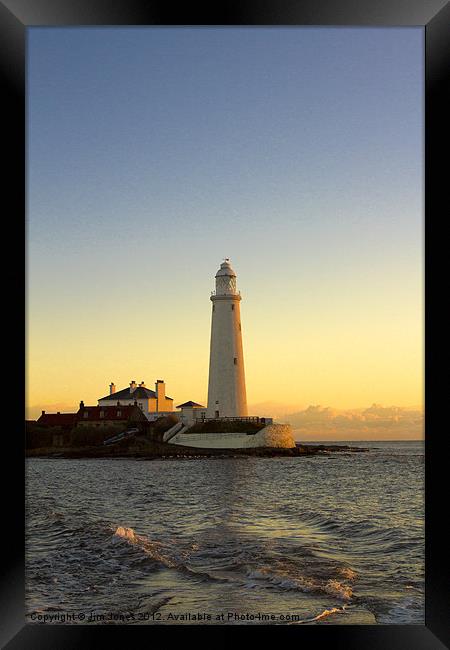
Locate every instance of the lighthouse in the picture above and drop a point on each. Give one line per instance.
(226, 388)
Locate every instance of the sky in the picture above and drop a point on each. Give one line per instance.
(154, 153)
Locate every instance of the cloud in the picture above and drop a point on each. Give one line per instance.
(375, 422)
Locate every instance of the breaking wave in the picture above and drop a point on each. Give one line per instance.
(152, 549)
(284, 576)
(172, 558)
(329, 587)
(324, 614)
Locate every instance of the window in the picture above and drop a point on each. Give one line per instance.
(214, 307)
(119, 413)
(85, 414)
(235, 361)
(239, 327)
(217, 414)
(232, 307)
(102, 414)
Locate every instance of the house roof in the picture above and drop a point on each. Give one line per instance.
(57, 419)
(138, 393)
(123, 412)
(190, 403)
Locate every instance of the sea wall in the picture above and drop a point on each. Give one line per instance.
(273, 436)
(276, 435)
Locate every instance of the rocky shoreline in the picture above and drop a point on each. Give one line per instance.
(166, 451)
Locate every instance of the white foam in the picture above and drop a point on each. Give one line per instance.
(324, 614)
(127, 533)
(153, 549)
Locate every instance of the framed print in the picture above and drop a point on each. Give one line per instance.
(227, 218)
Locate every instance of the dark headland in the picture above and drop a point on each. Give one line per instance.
(151, 450)
(146, 443)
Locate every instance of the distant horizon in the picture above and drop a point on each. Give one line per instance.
(68, 408)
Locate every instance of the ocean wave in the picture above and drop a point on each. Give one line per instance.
(333, 582)
(347, 572)
(306, 584)
(158, 552)
(324, 614)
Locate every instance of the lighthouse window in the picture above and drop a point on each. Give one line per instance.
(235, 361)
(232, 307)
(214, 307)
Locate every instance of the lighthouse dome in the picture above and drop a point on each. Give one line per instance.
(226, 280)
(225, 269)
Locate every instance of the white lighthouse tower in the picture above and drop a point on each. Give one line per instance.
(226, 389)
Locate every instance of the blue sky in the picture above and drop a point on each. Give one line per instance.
(155, 152)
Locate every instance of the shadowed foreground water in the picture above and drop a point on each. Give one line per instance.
(332, 539)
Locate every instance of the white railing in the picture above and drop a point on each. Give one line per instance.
(173, 431)
(244, 418)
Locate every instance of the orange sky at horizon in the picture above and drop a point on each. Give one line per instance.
(324, 356)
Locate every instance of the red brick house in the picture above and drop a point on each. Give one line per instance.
(58, 420)
(119, 416)
(59, 425)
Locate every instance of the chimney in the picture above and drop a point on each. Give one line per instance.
(43, 412)
(58, 413)
(132, 386)
(81, 405)
(112, 388)
(160, 389)
(142, 384)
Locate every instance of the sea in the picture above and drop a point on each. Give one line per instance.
(332, 539)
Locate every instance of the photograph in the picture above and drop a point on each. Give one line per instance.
(224, 360)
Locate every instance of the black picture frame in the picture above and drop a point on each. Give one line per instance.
(15, 17)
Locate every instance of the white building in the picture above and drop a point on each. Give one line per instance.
(226, 389)
(152, 403)
(190, 412)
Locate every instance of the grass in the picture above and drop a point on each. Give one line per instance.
(226, 426)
